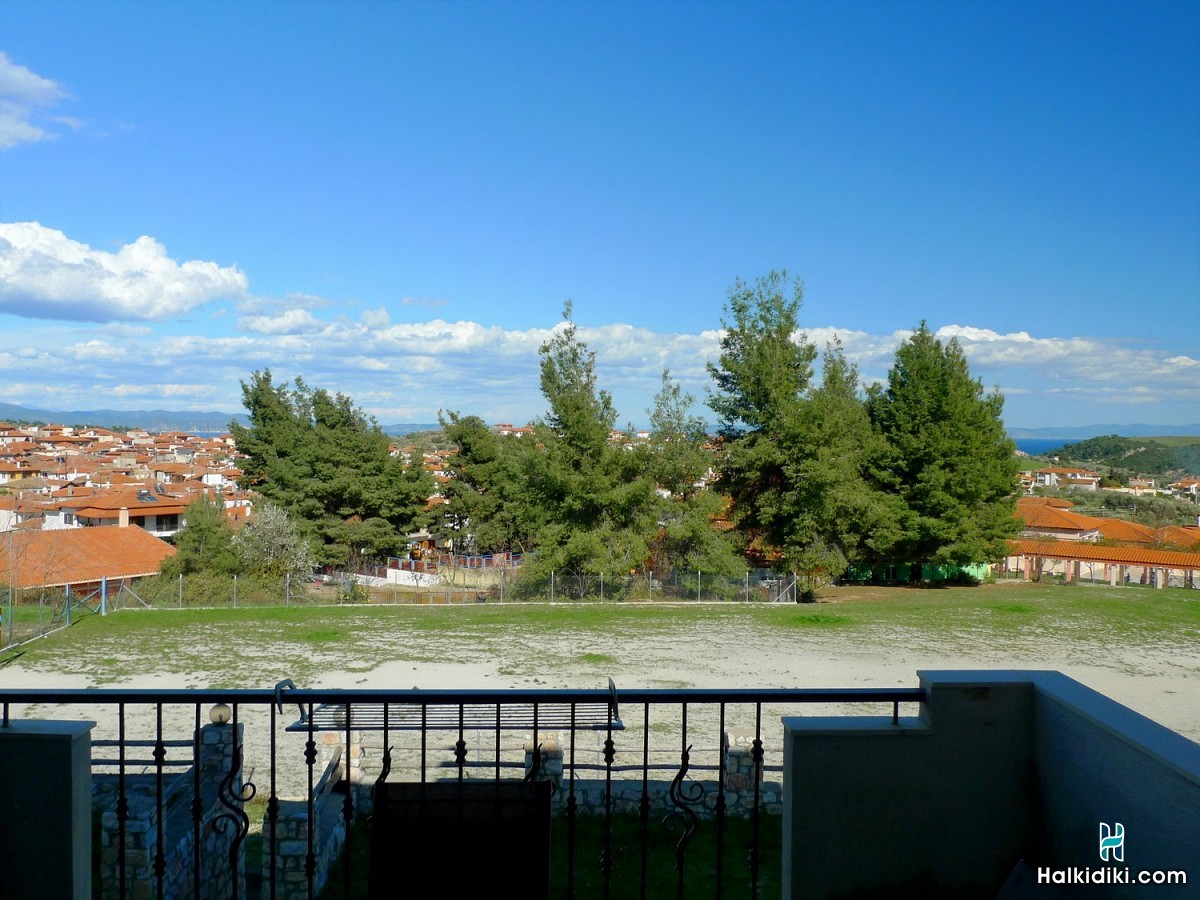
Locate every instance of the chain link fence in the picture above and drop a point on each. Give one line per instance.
(35, 612)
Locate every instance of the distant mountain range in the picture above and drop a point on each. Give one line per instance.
(146, 419)
(157, 419)
(1082, 432)
(170, 420)
(409, 427)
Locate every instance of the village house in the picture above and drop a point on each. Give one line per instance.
(63, 477)
(1057, 477)
(1186, 487)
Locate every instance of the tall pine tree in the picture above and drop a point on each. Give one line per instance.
(761, 377)
(323, 460)
(945, 457)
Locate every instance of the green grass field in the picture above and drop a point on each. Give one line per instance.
(305, 642)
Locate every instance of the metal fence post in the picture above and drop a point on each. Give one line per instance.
(181, 590)
(551, 585)
(235, 591)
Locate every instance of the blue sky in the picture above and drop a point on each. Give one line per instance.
(393, 199)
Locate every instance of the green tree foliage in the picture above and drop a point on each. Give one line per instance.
(678, 463)
(838, 514)
(945, 456)
(764, 368)
(1125, 455)
(597, 508)
(324, 461)
(1146, 509)
(205, 543)
(793, 454)
(584, 503)
(490, 509)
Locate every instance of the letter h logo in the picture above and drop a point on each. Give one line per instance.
(1112, 842)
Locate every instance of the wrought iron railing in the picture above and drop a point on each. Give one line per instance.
(180, 787)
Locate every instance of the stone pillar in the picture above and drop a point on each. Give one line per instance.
(1161, 581)
(1112, 574)
(737, 771)
(551, 759)
(217, 746)
(46, 809)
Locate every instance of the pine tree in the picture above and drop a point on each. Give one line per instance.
(761, 378)
(327, 463)
(838, 517)
(945, 458)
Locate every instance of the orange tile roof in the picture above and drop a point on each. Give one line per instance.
(1045, 516)
(1045, 501)
(85, 555)
(1179, 535)
(1138, 556)
(107, 505)
(1126, 532)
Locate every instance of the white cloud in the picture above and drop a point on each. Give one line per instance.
(423, 301)
(46, 275)
(376, 318)
(24, 98)
(294, 321)
(266, 306)
(156, 392)
(1073, 359)
(421, 367)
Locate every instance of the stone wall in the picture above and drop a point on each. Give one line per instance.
(291, 834)
(217, 828)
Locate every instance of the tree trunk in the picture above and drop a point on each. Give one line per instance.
(914, 573)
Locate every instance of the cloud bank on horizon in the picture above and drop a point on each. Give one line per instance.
(403, 222)
(120, 302)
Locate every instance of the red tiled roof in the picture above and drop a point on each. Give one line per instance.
(1138, 556)
(1179, 535)
(85, 555)
(1126, 532)
(107, 505)
(1045, 501)
(1045, 516)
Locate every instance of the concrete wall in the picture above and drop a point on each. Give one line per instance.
(942, 801)
(46, 809)
(999, 766)
(1098, 761)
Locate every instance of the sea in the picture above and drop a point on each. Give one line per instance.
(1039, 446)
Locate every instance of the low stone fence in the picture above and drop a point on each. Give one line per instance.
(141, 843)
(291, 836)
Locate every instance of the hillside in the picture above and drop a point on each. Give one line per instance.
(1145, 456)
(123, 419)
